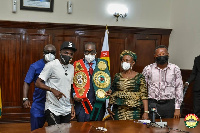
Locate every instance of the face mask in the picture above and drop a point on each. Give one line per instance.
(65, 59)
(162, 59)
(49, 57)
(90, 57)
(126, 66)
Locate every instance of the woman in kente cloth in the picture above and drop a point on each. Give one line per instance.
(129, 91)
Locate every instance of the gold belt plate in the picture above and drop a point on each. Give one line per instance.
(101, 79)
(80, 79)
(100, 93)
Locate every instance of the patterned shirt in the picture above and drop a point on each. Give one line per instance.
(164, 83)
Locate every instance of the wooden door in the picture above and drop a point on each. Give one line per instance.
(116, 46)
(18, 52)
(10, 82)
(32, 51)
(144, 46)
(59, 39)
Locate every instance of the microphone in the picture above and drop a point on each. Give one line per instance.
(154, 110)
(156, 124)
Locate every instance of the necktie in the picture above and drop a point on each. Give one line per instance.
(90, 69)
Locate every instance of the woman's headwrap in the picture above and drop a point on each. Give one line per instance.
(128, 52)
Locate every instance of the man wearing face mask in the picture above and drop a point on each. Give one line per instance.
(91, 77)
(39, 96)
(58, 77)
(165, 85)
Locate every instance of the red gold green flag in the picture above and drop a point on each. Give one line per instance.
(105, 49)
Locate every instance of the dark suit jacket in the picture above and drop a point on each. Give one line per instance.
(195, 75)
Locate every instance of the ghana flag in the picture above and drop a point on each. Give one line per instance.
(105, 55)
(105, 49)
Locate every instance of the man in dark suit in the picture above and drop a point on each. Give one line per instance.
(195, 76)
(89, 62)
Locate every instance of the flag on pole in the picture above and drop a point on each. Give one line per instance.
(0, 103)
(105, 49)
(105, 56)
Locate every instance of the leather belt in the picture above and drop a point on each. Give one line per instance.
(160, 101)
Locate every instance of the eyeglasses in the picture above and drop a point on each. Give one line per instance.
(52, 52)
(92, 52)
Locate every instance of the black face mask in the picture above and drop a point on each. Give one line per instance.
(162, 59)
(65, 59)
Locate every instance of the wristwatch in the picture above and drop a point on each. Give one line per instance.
(24, 99)
(146, 111)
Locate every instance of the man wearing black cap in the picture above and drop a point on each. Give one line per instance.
(58, 77)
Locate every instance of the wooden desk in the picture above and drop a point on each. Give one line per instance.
(120, 127)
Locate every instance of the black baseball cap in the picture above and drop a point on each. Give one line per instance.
(68, 45)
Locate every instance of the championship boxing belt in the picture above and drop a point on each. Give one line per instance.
(81, 84)
(101, 83)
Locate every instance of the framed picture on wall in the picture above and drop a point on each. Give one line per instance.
(37, 5)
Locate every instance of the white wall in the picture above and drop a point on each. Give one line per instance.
(180, 15)
(142, 13)
(185, 38)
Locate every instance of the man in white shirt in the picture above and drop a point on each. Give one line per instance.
(58, 77)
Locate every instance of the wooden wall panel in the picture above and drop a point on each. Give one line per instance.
(32, 51)
(116, 46)
(10, 69)
(187, 107)
(22, 43)
(144, 48)
(84, 40)
(11, 77)
(58, 40)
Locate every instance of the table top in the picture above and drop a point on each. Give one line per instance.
(125, 126)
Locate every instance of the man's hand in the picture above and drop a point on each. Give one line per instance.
(108, 93)
(177, 114)
(72, 112)
(27, 104)
(145, 116)
(57, 93)
(111, 113)
(77, 99)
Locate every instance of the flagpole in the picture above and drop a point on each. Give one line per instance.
(107, 29)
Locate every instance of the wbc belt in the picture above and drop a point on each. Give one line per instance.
(81, 84)
(101, 83)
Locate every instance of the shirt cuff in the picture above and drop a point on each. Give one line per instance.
(187, 83)
(177, 106)
(74, 94)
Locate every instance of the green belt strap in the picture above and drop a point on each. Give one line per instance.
(101, 82)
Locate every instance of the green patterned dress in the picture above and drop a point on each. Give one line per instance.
(127, 96)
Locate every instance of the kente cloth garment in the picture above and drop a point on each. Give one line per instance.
(164, 84)
(127, 96)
